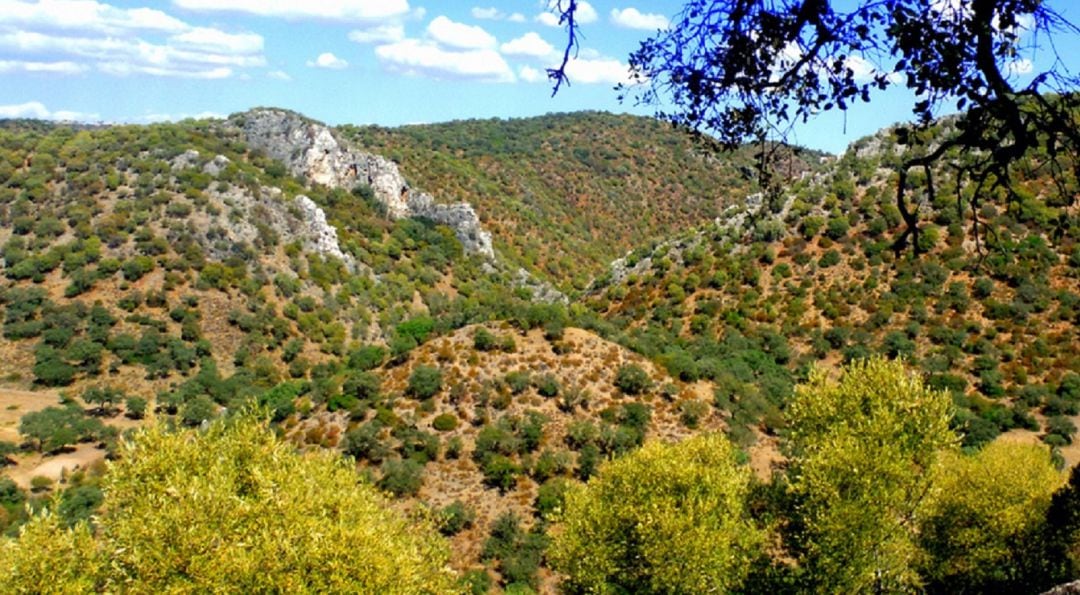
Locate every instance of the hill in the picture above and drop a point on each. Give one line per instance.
(183, 272)
(565, 194)
(810, 277)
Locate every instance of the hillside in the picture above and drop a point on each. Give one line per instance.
(565, 194)
(811, 278)
(366, 296)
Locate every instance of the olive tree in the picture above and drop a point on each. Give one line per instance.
(232, 508)
(862, 448)
(668, 518)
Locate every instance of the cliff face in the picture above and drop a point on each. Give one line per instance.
(312, 151)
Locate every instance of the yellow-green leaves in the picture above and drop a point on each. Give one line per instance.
(984, 514)
(234, 509)
(668, 518)
(862, 448)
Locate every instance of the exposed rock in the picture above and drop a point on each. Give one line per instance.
(540, 291)
(189, 158)
(1072, 588)
(217, 165)
(321, 236)
(459, 216)
(311, 150)
(301, 220)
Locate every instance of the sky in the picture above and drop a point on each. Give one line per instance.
(386, 62)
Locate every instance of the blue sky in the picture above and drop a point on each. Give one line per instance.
(386, 62)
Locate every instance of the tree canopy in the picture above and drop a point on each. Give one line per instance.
(668, 518)
(862, 450)
(230, 509)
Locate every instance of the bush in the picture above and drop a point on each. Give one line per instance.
(445, 422)
(691, 412)
(456, 518)
(631, 379)
(633, 528)
(517, 381)
(135, 407)
(402, 477)
(425, 382)
(547, 386)
(484, 340)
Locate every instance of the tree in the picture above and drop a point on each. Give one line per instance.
(668, 518)
(749, 69)
(54, 428)
(862, 448)
(982, 523)
(230, 509)
(103, 397)
(425, 382)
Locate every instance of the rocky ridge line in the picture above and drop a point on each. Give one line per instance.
(312, 151)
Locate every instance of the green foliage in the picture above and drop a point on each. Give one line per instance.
(425, 382)
(518, 552)
(862, 447)
(445, 422)
(982, 524)
(631, 379)
(402, 477)
(245, 513)
(456, 517)
(54, 428)
(668, 518)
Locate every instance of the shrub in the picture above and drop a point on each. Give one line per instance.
(484, 340)
(547, 386)
(631, 379)
(691, 412)
(456, 518)
(402, 477)
(518, 381)
(445, 422)
(425, 382)
(633, 529)
(135, 407)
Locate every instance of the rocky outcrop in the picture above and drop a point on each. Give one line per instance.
(320, 236)
(312, 151)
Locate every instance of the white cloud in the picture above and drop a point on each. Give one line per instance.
(419, 58)
(36, 109)
(532, 75)
(384, 33)
(65, 67)
(491, 13)
(632, 18)
(279, 75)
(1018, 67)
(601, 70)
(530, 44)
(78, 35)
(548, 18)
(585, 13)
(328, 60)
(344, 10)
(494, 14)
(84, 15)
(214, 40)
(459, 35)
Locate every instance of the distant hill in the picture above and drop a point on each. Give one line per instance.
(565, 194)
